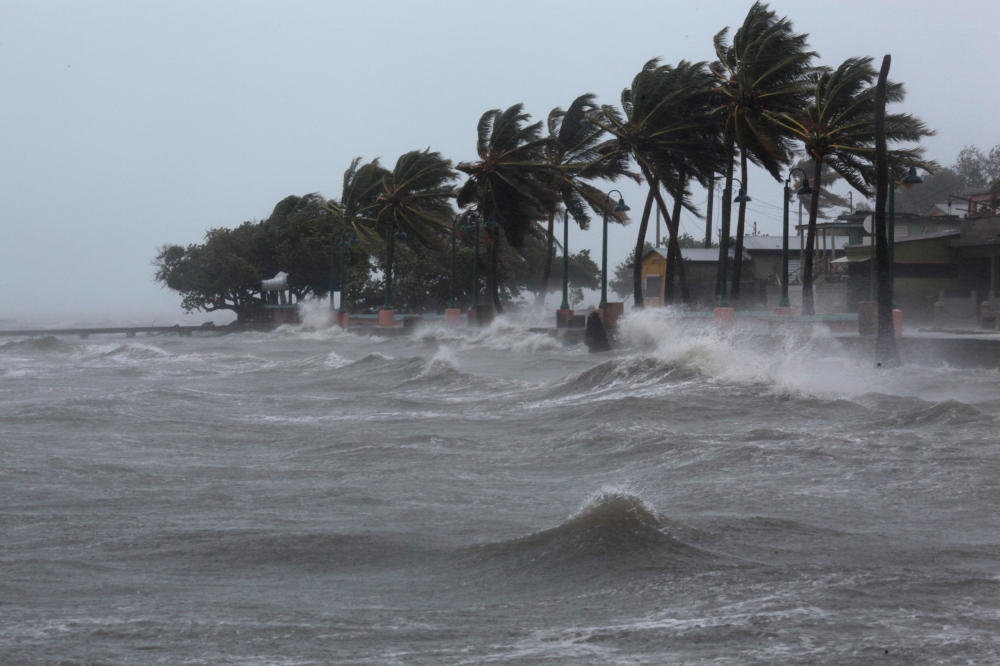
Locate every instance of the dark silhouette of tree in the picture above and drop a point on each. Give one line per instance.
(761, 74)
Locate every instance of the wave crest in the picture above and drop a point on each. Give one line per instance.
(45, 343)
(613, 525)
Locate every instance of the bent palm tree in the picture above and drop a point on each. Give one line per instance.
(837, 130)
(667, 127)
(573, 152)
(413, 205)
(362, 185)
(509, 184)
(762, 73)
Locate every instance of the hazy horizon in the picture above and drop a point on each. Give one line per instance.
(130, 126)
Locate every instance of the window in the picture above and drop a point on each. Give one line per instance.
(652, 286)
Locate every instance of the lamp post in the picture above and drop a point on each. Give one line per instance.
(805, 189)
(451, 285)
(333, 254)
(727, 209)
(576, 216)
(911, 178)
(475, 263)
(620, 208)
(401, 235)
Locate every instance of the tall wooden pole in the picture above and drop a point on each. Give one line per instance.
(886, 352)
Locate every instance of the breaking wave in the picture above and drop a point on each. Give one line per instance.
(46, 343)
(443, 362)
(614, 525)
(501, 335)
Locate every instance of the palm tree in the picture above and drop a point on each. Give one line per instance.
(362, 185)
(667, 127)
(837, 129)
(762, 73)
(572, 151)
(413, 205)
(509, 184)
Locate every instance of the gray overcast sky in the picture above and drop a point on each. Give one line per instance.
(126, 125)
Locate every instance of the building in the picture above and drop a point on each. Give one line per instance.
(701, 268)
(956, 262)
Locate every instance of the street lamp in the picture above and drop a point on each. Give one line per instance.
(475, 264)
(451, 285)
(805, 189)
(727, 208)
(911, 178)
(620, 208)
(401, 235)
(576, 216)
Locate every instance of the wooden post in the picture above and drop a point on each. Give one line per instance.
(886, 351)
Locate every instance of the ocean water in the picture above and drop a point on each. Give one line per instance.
(492, 497)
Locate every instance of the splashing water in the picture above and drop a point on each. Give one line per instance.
(488, 495)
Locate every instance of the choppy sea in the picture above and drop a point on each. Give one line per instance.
(493, 497)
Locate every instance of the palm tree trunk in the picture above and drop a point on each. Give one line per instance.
(886, 351)
(550, 251)
(640, 244)
(727, 191)
(808, 301)
(708, 211)
(492, 275)
(740, 224)
(669, 275)
(674, 259)
(672, 247)
(390, 250)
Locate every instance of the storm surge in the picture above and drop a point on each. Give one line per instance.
(489, 495)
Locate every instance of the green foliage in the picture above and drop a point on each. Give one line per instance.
(837, 126)
(620, 281)
(665, 124)
(225, 271)
(574, 150)
(510, 183)
(683, 122)
(423, 278)
(527, 269)
(979, 171)
(763, 73)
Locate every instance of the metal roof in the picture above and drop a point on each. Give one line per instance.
(698, 254)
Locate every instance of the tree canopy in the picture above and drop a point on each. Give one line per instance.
(763, 99)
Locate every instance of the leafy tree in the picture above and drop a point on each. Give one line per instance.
(666, 126)
(761, 74)
(225, 271)
(837, 129)
(583, 270)
(509, 184)
(423, 277)
(935, 189)
(980, 171)
(413, 205)
(573, 152)
(687, 240)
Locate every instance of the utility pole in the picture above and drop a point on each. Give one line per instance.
(886, 351)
